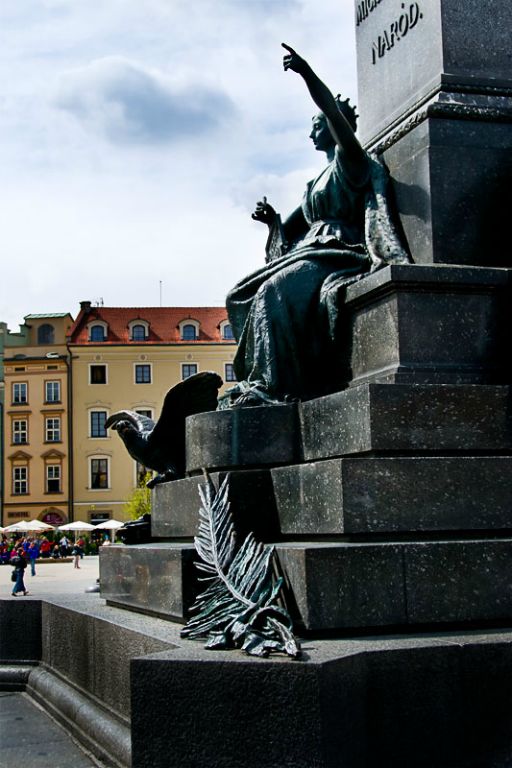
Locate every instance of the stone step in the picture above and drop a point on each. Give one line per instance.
(175, 505)
(428, 701)
(356, 702)
(158, 579)
(369, 418)
(337, 585)
(365, 496)
(243, 437)
(350, 586)
(433, 324)
(351, 496)
(384, 418)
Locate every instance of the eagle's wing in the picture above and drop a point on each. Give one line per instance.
(196, 394)
(140, 422)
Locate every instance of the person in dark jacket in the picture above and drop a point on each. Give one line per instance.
(19, 563)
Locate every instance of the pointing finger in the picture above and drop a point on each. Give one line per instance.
(288, 48)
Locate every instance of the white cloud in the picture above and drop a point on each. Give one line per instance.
(130, 103)
(135, 138)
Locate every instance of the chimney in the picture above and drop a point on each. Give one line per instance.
(85, 306)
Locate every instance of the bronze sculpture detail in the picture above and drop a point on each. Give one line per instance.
(285, 316)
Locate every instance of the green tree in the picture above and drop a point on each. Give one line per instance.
(139, 502)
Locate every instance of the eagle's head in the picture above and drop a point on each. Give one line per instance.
(124, 427)
(125, 423)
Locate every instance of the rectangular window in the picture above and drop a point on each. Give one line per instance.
(53, 478)
(229, 372)
(144, 412)
(19, 393)
(52, 391)
(143, 374)
(98, 419)
(187, 370)
(98, 374)
(19, 480)
(52, 430)
(20, 431)
(99, 473)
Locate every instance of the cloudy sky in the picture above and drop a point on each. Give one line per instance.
(136, 136)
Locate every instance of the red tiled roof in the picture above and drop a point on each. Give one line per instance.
(163, 322)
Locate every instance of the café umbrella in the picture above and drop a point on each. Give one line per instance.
(110, 525)
(38, 525)
(76, 526)
(24, 526)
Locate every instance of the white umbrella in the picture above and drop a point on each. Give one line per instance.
(110, 525)
(38, 525)
(78, 525)
(20, 526)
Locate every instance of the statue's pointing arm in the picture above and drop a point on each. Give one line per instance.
(354, 157)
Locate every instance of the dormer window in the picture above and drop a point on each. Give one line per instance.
(138, 333)
(189, 330)
(98, 332)
(46, 334)
(226, 331)
(138, 330)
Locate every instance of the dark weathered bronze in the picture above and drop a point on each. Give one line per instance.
(239, 609)
(286, 315)
(136, 531)
(161, 446)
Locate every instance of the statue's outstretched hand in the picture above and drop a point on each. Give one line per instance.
(264, 212)
(293, 61)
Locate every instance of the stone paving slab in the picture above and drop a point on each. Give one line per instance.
(29, 738)
(54, 578)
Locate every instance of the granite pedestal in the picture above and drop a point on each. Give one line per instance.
(389, 501)
(435, 98)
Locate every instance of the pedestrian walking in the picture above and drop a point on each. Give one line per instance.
(19, 563)
(33, 554)
(76, 556)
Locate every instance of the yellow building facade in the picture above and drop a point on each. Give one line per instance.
(127, 359)
(36, 429)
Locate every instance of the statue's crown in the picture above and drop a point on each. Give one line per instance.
(348, 111)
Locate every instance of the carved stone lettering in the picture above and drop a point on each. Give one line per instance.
(397, 30)
(364, 8)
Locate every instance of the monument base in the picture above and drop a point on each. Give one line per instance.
(423, 700)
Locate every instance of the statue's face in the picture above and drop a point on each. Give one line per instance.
(320, 134)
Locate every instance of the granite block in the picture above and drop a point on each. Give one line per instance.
(429, 325)
(157, 579)
(68, 640)
(446, 221)
(242, 437)
(175, 505)
(459, 581)
(91, 654)
(382, 418)
(406, 51)
(342, 586)
(355, 703)
(360, 586)
(355, 496)
(20, 630)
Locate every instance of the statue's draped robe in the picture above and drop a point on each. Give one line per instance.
(286, 315)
